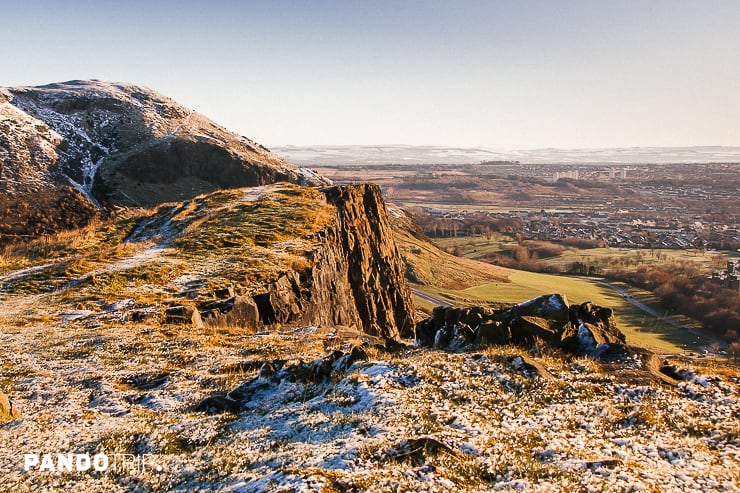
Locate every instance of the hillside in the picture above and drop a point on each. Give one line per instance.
(427, 265)
(255, 257)
(104, 145)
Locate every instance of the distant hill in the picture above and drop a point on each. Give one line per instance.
(402, 154)
(94, 145)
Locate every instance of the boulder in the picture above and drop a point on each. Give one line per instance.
(443, 337)
(462, 336)
(472, 317)
(237, 311)
(183, 315)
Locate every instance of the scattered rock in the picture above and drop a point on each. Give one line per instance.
(8, 411)
(606, 463)
(143, 315)
(529, 366)
(660, 371)
(146, 381)
(239, 367)
(417, 449)
(120, 305)
(216, 404)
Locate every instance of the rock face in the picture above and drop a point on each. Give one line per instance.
(578, 329)
(107, 144)
(356, 277)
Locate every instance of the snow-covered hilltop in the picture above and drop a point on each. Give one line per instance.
(120, 144)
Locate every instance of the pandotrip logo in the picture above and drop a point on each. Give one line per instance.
(86, 463)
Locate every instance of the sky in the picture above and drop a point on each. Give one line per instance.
(516, 74)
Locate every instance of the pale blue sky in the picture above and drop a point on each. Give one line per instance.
(513, 74)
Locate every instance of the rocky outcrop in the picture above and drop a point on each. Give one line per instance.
(578, 329)
(119, 144)
(271, 374)
(356, 277)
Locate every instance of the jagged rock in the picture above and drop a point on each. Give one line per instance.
(183, 315)
(369, 262)
(282, 302)
(8, 411)
(355, 277)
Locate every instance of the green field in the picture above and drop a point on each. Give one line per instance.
(640, 328)
(476, 247)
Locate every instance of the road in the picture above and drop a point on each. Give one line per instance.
(430, 298)
(642, 306)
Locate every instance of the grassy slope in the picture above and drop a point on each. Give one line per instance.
(433, 267)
